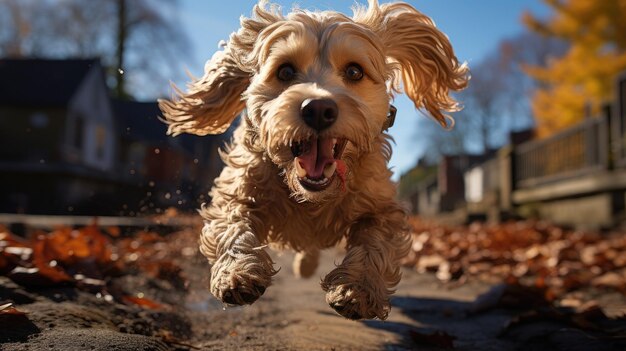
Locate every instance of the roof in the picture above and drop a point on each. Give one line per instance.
(42, 82)
(139, 120)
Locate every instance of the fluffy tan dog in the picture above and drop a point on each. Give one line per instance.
(308, 163)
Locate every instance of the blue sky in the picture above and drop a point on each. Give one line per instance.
(473, 26)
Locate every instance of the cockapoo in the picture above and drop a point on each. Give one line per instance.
(307, 165)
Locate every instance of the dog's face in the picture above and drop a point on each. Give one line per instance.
(318, 100)
(317, 85)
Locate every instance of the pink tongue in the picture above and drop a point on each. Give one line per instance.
(317, 157)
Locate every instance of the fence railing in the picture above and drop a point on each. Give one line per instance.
(619, 123)
(578, 150)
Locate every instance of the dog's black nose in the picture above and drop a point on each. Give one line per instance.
(319, 114)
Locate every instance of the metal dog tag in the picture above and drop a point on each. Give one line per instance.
(391, 118)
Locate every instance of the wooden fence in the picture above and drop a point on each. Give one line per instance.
(579, 150)
(619, 123)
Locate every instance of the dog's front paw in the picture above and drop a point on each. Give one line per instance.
(240, 281)
(239, 295)
(357, 300)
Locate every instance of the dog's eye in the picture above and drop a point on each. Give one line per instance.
(354, 72)
(286, 72)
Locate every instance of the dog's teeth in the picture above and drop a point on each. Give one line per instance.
(301, 172)
(330, 170)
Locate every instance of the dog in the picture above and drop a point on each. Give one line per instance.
(307, 166)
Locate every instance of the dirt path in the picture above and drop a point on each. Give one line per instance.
(293, 315)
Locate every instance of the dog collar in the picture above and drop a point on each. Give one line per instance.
(391, 118)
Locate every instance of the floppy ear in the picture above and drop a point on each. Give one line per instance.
(212, 102)
(420, 55)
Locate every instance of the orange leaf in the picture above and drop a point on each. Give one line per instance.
(8, 308)
(9, 239)
(114, 231)
(143, 302)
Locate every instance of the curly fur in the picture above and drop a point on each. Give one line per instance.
(258, 198)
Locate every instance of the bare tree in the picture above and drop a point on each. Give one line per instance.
(147, 26)
(138, 40)
(440, 141)
(16, 28)
(497, 99)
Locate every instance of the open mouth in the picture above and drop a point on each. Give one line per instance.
(316, 159)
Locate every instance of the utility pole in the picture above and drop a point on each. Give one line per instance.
(121, 42)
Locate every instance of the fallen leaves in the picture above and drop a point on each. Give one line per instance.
(550, 321)
(532, 252)
(150, 253)
(540, 272)
(133, 278)
(63, 256)
(610, 280)
(87, 258)
(13, 249)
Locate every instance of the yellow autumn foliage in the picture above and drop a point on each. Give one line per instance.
(583, 79)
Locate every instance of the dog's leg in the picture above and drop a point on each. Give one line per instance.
(241, 268)
(305, 263)
(361, 285)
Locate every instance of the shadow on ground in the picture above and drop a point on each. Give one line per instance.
(439, 324)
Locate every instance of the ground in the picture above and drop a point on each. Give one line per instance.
(172, 309)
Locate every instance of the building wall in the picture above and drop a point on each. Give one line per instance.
(64, 193)
(72, 160)
(589, 212)
(429, 201)
(31, 134)
(96, 130)
(474, 179)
